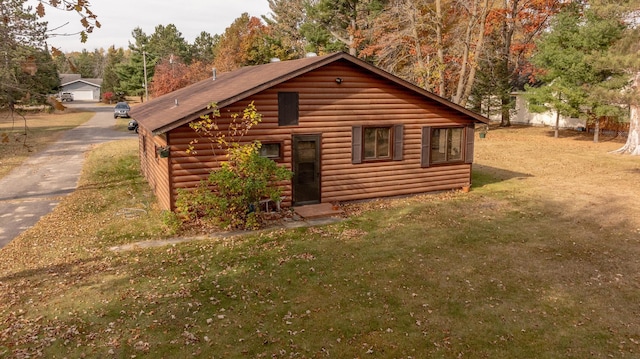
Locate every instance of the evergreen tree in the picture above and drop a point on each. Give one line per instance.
(132, 73)
(338, 25)
(110, 79)
(85, 64)
(24, 68)
(202, 48)
(573, 82)
(286, 39)
(167, 41)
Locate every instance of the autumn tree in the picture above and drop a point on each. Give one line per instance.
(243, 43)
(172, 74)
(475, 14)
(434, 44)
(169, 75)
(403, 43)
(514, 27)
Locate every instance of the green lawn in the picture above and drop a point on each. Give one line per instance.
(23, 136)
(517, 268)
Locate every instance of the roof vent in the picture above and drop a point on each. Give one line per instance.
(311, 54)
(176, 102)
(214, 74)
(275, 59)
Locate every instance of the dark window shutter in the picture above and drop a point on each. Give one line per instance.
(356, 144)
(468, 153)
(288, 108)
(398, 133)
(425, 160)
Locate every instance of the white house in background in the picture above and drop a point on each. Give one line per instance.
(520, 114)
(82, 89)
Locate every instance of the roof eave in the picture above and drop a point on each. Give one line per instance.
(302, 70)
(86, 82)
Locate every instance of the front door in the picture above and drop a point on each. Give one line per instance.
(306, 169)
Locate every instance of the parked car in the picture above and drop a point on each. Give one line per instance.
(121, 110)
(133, 126)
(66, 96)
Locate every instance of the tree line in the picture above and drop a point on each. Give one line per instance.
(574, 56)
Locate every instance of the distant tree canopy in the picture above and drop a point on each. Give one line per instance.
(468, 51)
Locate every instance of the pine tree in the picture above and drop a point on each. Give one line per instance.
(569, 55)
(25, 67)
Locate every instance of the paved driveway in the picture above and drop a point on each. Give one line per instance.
(35, 188)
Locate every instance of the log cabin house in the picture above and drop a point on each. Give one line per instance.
(348, 131)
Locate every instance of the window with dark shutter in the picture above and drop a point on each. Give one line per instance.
(398, 133)
(425, 160)
(444, 145)
(288, 108)
(356, 144)
(377, 143)
(468, 153)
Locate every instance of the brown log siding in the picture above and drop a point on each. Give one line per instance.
(330, 109)
(154, 168)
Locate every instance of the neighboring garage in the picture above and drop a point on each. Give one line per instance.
(82, 89)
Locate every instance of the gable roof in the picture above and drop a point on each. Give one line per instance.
(179, 107)
(67, 79)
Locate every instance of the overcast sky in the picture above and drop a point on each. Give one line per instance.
(119, 17)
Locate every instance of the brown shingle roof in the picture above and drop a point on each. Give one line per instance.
(161, 114)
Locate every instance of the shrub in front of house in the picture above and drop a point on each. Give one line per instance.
(230, 197)
(107, 97)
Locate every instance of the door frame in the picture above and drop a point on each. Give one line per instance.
(317, 137)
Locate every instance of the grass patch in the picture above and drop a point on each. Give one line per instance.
(122, 124)
(505, 271)
(18, 142)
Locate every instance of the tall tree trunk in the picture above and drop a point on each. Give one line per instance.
(557, 129)
(352, 47)
(440, 51)
(477, 54)
(632, 146)
(477, 17)
(596, 131)
(418, 45)
(508, 29)
(462, 74)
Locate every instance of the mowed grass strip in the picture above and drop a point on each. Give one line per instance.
(23, 136)
(505, 271)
